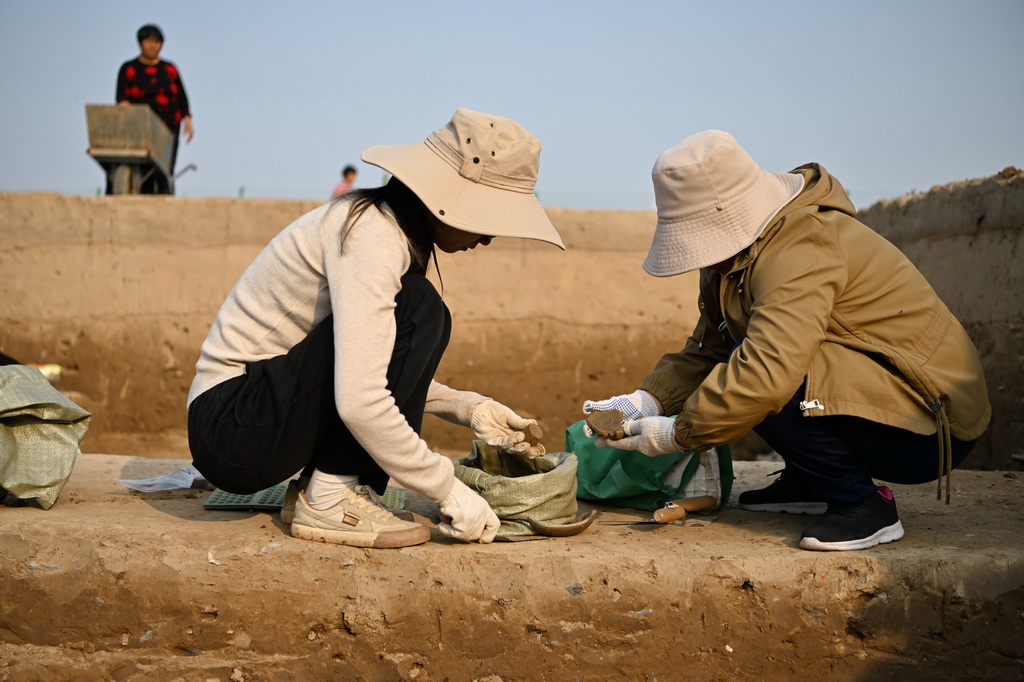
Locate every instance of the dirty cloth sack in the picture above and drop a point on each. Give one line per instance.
(626, 478)
(518, 487)
(40, 430)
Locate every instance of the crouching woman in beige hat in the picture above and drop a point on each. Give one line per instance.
(815, 332)
(322, 358)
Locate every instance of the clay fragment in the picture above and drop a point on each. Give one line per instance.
(533, 434)
(607, 423)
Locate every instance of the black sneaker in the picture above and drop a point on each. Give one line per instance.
(872, 522)
(785, 494)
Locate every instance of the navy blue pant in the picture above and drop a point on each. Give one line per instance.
(256, 430)
(838, 456)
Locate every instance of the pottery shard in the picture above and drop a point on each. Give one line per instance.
(533, 434)
(607, 423)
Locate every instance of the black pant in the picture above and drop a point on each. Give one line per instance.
(837, 456)
(280, 417)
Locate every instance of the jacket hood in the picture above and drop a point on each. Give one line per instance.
(821, 189)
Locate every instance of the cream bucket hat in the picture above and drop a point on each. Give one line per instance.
(713, 201)
(478, 174)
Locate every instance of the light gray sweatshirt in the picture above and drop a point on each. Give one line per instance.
(301, 277)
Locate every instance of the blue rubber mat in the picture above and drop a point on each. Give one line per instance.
(272, 499)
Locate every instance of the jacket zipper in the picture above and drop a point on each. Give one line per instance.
(721, 307)
(807, 405)
(700, 341)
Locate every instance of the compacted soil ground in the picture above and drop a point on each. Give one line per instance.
(114, 584)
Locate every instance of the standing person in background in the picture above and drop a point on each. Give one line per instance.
(348, 176)
(148, 79)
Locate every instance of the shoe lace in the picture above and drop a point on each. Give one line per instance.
(365, 497)
(849, 511)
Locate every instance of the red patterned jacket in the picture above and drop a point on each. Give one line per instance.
(158, 85)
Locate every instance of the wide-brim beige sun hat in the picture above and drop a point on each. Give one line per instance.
(478, 174)
(713, 201)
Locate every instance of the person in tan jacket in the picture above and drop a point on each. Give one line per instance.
(815, 332)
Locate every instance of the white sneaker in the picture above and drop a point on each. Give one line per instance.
(360, 519)
(297, 485)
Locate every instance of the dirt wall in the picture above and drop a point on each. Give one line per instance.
(122, 290)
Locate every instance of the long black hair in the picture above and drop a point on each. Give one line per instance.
(411, 215)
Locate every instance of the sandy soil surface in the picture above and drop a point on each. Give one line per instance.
(112, 584)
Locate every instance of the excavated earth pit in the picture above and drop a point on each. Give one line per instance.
(114, 585)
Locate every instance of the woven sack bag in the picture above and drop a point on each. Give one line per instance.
(40, 430)
(519, 488)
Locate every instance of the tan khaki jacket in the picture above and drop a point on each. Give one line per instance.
(821, 298)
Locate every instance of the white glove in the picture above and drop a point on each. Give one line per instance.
(632, 405)
(650, 435)
(635, 405)
(501, 427)
(469, 516)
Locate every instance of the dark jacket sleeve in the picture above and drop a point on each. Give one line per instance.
(122, 84)
(183, 106)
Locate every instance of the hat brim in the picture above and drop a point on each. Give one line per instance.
(459, 202)
(713, 235)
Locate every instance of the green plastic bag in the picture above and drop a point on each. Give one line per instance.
(626, 478)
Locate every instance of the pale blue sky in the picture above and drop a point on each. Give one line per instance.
(890, 96)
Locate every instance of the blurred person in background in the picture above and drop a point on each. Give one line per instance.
(348, 176)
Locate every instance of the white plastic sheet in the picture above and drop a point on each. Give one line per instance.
(182, 479)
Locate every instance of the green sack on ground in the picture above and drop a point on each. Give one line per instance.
(40, 430)
(518, 487)
(626, 478)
